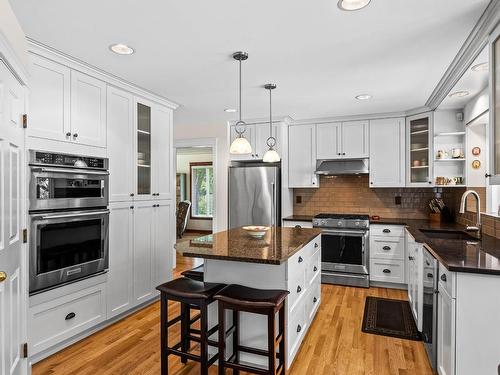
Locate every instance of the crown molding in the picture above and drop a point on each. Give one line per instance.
(473, 45)
(11, 60)
(55, 55)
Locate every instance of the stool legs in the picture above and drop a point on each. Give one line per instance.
(282, 330)
(236, 339)
(222, 339)
(204, 339)
(164, 335)
(186, 317)
(271, 341)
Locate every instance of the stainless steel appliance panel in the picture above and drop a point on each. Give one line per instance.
(67, 245)
(254, 196)
(429, 321)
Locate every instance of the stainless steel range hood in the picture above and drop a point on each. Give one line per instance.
(342, 167)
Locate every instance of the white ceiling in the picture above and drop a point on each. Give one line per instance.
(319, 56)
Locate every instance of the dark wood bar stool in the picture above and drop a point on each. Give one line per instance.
(195, 273)
(191, 294)
(258, 301)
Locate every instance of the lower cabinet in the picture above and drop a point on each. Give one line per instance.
(141, 239)
(415, 265)
(387, 254)
(445, 332)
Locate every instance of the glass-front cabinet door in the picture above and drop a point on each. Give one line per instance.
(419, 149)
(143, 157)
(495, 107)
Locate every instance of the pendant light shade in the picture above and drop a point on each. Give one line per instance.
(271, 155)
(240, 144)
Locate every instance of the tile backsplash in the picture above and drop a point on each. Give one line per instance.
(352, 194)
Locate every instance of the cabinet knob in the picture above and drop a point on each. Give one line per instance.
(300, 260)
(299, 328)
(430, 275)
(430, 182)
(371, 183)
(3, 276)
(411, 258)
(131, 207)
(315, 300)
(443, 277)
(70, 316)
(315, 269)
(68, 134)
(386, 270)
(257, 155)
(338, 153)
(298, 226)
(386, 230)
(343, 153)
(75, 135)
(131, 194)
(299, 289)
(487, 175)
(316, 245)
(386, 248)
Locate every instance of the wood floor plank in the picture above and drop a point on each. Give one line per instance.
(335, 343)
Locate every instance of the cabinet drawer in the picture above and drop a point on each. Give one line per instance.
(387, 248)
(391, 271)
(296, 328)
(297, 288)
(297, 224)
(298, 262)
(387, 230)
(60, 319)
(313, 267)
(447, 280)
(313, 299)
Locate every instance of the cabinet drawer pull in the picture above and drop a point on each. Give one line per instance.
(300, 260)
(298, 226)
(315, 269)
(443, 277)
(132, 194)
(386, 230)
(430, 275)
(316, 245)
(315, 300)
(75, 135)
(70, 316)
(411, 258)
(68, 134)
(386, 248)
(299, 289)
(299, 328)
(386, 270)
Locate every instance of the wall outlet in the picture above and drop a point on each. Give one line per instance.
(298, 199)
(397, 200)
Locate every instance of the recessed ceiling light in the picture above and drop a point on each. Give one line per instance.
(459, 94)
(482, 67)
(363, 97)
(121, 49)
(352, 4)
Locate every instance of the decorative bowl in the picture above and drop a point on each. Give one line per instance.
(256, 231)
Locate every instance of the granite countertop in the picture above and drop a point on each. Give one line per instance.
(299, 218)
(276, 247)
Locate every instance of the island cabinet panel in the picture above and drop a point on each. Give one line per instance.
(299, 274)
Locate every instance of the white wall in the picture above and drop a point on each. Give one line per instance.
(219, 131)
(12, 32)
(183, 166)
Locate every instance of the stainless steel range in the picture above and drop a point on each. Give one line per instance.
(344, 249)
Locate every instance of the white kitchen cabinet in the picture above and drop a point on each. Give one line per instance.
(120, 127)
(387, 153)
(88, 110)
(328, 138)
(342, 140)
(446, 321)
(163, 241)
(121, 236)
(143, 254)
(419, 151)
(387, 254)
(161, 153)
(414, 268)
(50, 85)
(302, 156)
(256, 135)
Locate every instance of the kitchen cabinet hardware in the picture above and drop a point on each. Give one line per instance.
(386, 230)
(315, 300)
(316, 245)
(70, 316)
(299, 289)
(430, 275)
(75, 135)
(315, 269)
(298, 226)
(443, 277)
(299, 328)
(300, 260)
(68, 134)
(486, 175)
(411, 258)
(386, 270)
(131, 207)
(132, 194)
(386, 248)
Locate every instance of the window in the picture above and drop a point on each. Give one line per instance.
(202, 190)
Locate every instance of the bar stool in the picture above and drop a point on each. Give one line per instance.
(258, 301)
(191, 294)
(195, 273)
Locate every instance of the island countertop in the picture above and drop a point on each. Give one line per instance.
(236, 245)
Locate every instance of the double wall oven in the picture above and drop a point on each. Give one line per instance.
(69, 218)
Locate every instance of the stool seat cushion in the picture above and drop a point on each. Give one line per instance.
(250, 297)
(195, 273)
(188, 288)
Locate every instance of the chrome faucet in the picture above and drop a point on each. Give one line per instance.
(478, 210)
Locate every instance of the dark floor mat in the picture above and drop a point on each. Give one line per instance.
(389, 317)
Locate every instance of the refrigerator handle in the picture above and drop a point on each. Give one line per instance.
(273, 204)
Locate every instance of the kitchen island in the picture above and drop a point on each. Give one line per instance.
(285, 258)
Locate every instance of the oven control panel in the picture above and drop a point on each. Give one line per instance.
(65, 160)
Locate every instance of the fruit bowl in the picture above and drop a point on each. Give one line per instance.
(256, 231)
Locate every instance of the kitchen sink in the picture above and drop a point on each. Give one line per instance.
(448, 234)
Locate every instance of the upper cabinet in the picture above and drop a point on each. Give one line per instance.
(302, 156)
(342, 140)
(494, 79)
(419, 150)
(257, 135)
(387, 152)
(66, 105)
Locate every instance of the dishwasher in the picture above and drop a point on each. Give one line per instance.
(430, 300)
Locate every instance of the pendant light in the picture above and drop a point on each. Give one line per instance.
(271, 156)
(240, 144)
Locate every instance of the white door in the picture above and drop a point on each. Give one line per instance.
(301, 156)
(355, 139)
(49, 100)
(163, 221)
(328, 138)
(162, 157)
(88, 110)
(120, 129)
(13, 297)
(445, 333)
(260, 140)
(250, 137)
(143, 251)
(121, 236)
(387, 153)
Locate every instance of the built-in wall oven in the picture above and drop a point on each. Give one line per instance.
(69, 218)
(344, 249)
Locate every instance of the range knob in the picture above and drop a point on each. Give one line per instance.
(357, 223)
(339, 223)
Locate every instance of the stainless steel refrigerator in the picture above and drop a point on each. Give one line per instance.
(254, 195)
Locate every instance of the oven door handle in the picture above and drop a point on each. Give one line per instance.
(63, 216)
(69, 171)
(343, 231)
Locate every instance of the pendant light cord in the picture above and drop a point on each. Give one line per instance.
(240, 90)
(270, 114)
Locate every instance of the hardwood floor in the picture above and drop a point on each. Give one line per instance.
(334, 344)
